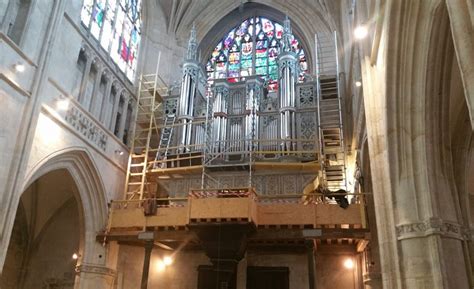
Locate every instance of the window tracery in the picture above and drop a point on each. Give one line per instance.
(252, 48)
(116, 25)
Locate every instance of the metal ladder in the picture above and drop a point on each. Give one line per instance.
(207, 181)
(165, 140)
(330, 123)
(148, 113)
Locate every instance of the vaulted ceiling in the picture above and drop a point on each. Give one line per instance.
(309, 15)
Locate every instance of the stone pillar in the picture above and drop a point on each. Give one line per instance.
(98, 270)
(124, 116)
(92, 106)
(113, 114)
(406, 99)
(85, 76)
(105, 97)
(461, 15)
(372, 281)
(131, 124)
(94, 276)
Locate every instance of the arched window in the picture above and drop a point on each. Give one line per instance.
(252, 48)
(116, 25)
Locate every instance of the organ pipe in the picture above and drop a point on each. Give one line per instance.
(288, 73)
(221, 92)
(189, 89)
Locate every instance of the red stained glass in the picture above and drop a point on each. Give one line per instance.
(252, 47)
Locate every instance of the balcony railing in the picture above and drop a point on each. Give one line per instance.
(237, 205)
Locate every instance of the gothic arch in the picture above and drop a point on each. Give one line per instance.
(90, 193)
(215, 33)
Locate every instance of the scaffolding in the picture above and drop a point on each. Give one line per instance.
(330, 124)
(151, 89)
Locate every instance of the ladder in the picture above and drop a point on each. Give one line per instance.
(165, 140)
(330, 124)
(207, 181)
(150, 90)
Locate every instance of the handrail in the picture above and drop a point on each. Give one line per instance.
(213, 192)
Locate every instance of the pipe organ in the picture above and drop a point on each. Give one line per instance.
(232, 121)
(245, 117)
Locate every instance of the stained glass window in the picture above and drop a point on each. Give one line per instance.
(252, 48)
(116, 25)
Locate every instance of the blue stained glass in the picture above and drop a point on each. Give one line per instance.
(116, 25)
(243, 28)
(261, 70)
(273, 71)
(229, 39)
(261, 61)
(258, 27)
(247, 63)
(252, 46)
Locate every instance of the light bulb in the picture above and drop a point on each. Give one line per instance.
(360, 32)
(19, 67)
(358, 83)
(349, 264)
(160, 265)
(167, 260)
(75, 256)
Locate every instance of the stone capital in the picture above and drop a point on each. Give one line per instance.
(86, 50)
(95, 269)
(97, 64)
(107, 75)
(431, 226)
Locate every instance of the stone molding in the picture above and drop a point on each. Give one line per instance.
(371, 276)
(95, 269)
(87, 127)
(432, 226)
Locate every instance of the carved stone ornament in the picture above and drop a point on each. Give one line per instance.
(95, 269)
(432, 226)
(87, 127)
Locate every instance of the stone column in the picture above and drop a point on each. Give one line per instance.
(94, 96)
(103, 106)
(132, 122)
(124, 116)
(113, 115)
(85, 76)
(461, 15)
(98, 270)
(406, 97)
(94, 276)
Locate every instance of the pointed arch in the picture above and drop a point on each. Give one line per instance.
(90, 193)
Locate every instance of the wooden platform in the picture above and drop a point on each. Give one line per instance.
(235, 206)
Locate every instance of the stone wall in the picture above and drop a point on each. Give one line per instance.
(183, 273)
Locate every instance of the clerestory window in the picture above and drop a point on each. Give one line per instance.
(116, 25)
(252, 48)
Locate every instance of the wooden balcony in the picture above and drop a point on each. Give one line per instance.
(233, 205)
